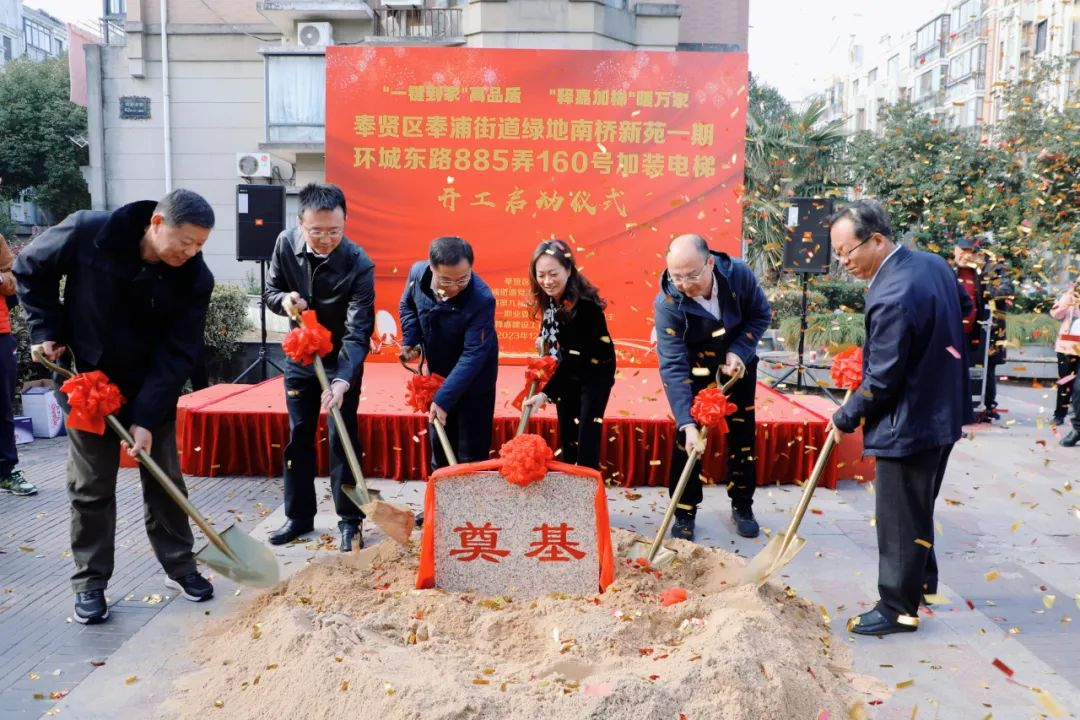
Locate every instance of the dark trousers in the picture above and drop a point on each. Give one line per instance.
(741, 465)
(581, 422)
(93, 461)
(9, 350)
(468, 428)
(303, 396)
(1067, 365)
(1076, 406)
(905, 491)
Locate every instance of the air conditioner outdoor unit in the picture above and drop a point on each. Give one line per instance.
(252, 165)
(314, 34)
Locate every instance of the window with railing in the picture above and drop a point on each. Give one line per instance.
(36, 36)
(966, 12)
(930, 35)
(967, 63)
(434, 23)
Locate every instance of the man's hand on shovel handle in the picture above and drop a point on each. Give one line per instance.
(50, 350)
(694, 439)
(293, 300)
(410, 352)
(335, 395)
(437, 413)
(837, 433)
(143, 440)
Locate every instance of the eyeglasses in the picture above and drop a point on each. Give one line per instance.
(843, 256)
(320, 234)
(446, 283)
(691, 277)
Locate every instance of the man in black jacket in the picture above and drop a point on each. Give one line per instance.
(710, 314)
(912, 403)
(134, 306)
(316, 267)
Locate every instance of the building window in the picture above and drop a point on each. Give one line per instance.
(893, 68)
(36, 35)
(871, 77)
(115, 7)
(855, 87)
(58, 46)
(1040, 37)
(966, 12)
(295, 98)
(7, 48)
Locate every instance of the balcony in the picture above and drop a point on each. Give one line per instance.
(436, 26)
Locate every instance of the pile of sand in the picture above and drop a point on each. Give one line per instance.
(350, 637)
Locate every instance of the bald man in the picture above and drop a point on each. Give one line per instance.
(710, 314)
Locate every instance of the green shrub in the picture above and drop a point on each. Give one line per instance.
(825, 331)
(786, 302)
(840, 295)
(226, 320)
(1031, 329)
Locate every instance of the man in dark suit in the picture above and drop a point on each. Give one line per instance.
(710, 314)
(133, 306)
(316, 267)
(912, 403)
(448, 313)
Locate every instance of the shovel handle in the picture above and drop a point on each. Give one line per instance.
(448, 451)
(675, 498)
(810, 486)
(339, 421)
(160, 475)
(526, 410)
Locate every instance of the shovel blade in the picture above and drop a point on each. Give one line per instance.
(397, 522)
(771, 558)
(641, 548)
(257, 567)
(353, 494)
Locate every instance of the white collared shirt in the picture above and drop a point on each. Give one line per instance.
(711, 303)
(882, 265)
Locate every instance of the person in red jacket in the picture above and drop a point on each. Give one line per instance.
(11, 480)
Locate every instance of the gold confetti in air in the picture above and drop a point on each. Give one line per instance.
(991, 576)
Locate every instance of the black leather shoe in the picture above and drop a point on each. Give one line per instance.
(419, 519)
(351, 535)
(1071, 439)
(90, 607)
(876, 622)
(745, 522)
(683, 527)
(291, 530)
(193, 586)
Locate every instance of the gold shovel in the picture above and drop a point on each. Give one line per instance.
(440, 430)
(652, 552)
(783, 547)
(233, 553)
(396, 521)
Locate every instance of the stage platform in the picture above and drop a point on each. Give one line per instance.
(243, 429)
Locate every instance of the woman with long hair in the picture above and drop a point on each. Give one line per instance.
(573, 328)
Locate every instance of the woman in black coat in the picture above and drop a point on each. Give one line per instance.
(573, 328)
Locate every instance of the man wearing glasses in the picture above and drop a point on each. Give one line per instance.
(448, 314)
(710, 314)
(911, 405)
(315, 267)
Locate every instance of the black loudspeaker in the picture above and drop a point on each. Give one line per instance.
(807, 248)
(260, 218)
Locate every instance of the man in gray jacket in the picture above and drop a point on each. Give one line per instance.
(316, 267)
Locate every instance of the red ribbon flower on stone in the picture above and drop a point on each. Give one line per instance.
(91, 397)
(711, 408)
(420, 392)
(525, 459)
(302, 343)
(846, 369)
(539, 370)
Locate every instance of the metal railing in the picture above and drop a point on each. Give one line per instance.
(434, 23)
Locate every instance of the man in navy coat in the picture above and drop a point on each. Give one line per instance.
(912, 403)
(448, 313)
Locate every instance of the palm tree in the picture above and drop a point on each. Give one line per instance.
(787, 155)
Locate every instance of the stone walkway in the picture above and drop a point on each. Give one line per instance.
(1008, 539)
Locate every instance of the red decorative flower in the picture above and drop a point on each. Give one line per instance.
(525, 459)
(710, 409)
(673, 596)
(303, 342)
(420, 392)
(539, 370)
(847, 369)
(91, 397)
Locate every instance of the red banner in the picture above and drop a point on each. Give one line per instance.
(615, 151)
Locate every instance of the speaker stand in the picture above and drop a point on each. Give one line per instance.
(263, 359)
(800, 368)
